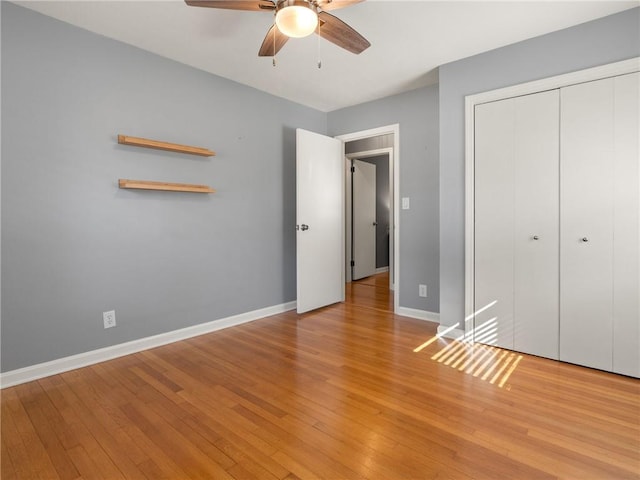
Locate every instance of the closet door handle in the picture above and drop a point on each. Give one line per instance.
(536, 237)
(584, 239)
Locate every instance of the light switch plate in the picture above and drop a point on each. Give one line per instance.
(405, 203)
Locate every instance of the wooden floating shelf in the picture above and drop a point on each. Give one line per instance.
(171, 187)
(172, 147)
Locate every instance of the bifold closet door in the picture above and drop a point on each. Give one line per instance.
(599, 219)
(626, 226)
(516, 224)
(494, 223)
(536, 269)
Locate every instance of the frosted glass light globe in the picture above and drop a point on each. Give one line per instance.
(296, 21)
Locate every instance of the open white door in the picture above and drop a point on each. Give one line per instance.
(320, 220)
(364, 219)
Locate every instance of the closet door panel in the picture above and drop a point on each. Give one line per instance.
(536, 242)
(586, 216)
(494, 223)
(626, 238)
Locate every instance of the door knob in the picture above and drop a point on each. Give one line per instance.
(375, 224)
(536, 237)
(584, 239)
(304, 227)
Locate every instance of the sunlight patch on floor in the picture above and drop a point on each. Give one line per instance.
(489, 363)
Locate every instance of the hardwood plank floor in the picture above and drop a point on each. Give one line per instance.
(350, 391)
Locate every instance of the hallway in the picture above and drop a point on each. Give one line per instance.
(371, 292)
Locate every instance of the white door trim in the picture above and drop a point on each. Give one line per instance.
(572, 78)
(395, 223)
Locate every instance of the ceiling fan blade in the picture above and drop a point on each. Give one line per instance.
(327, 5)
(267, 50)
(338, 32)
(233, 4)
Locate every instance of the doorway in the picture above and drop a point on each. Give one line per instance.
(377, 142)
(368, 207)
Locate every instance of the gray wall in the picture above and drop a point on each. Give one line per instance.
(417, 114)
(383, 212)
(74, 245)
(602, 41)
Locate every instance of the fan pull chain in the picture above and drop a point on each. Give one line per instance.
(319, 59)
(275, 28)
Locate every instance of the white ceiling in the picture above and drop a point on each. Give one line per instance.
(409, 40)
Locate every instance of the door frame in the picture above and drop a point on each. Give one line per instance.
(394, 181)
(465, 329)
(348, 206)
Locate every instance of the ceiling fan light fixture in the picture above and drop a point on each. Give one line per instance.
(296, 18)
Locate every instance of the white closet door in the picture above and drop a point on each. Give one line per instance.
(586, 212)
(516, 231)
(536, 309)
(494, 223)
(626, 238)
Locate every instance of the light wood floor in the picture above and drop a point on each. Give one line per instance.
(347, 392)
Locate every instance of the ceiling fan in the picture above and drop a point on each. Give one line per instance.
(297, 19)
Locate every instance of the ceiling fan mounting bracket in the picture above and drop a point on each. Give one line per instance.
(313, 5)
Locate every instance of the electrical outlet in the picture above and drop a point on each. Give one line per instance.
(109, 318)
(422, 290)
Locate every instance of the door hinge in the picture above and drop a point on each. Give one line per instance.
(353, 264)
(353, 169)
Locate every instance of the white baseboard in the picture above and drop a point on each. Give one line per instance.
(419, 314)
(41, 370)
(382, 270)
(448, 332)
